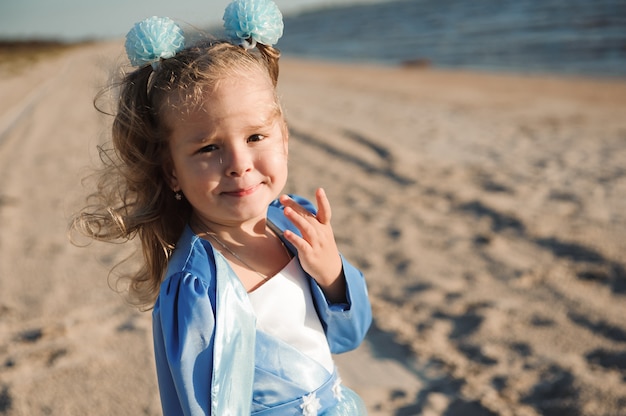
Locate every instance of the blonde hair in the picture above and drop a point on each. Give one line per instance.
(133, 197)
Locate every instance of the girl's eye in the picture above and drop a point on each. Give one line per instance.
(256, 138)
(208, 149)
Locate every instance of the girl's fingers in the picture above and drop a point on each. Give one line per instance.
(297, 208)
(316, 246)
(295, 211)
(298, 242)
(323, 206)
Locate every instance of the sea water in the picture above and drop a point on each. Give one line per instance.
(578, 37)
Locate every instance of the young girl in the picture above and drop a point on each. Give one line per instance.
(250, 295)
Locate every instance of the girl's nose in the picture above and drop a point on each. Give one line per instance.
(238, 161)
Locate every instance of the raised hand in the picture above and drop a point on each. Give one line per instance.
(317, 249)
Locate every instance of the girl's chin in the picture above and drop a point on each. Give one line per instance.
(235, 214)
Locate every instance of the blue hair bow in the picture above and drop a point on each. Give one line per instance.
(252, 21)
(153, 39)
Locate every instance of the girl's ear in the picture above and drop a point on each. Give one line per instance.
(285, 129)
(170, 175)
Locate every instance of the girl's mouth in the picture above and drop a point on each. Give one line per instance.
(242, 192)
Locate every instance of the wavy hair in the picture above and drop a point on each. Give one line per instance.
(132, 196)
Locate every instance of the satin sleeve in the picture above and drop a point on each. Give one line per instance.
(345, 324)
(183, 331)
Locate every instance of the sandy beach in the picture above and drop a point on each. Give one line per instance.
(488, 212)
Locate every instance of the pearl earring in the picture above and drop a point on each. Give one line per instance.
(178, 196)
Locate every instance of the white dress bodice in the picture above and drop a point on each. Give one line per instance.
(284, 308)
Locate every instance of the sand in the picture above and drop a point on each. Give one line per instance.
(488, 213)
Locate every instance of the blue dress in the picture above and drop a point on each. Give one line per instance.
(211, 359)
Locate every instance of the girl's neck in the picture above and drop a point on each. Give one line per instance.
(255, 253)
(239, 233)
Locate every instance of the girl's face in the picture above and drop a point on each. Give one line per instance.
(229, 155)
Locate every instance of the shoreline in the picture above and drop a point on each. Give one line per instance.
(427, 65)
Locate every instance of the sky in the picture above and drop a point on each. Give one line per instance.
(74, 20)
